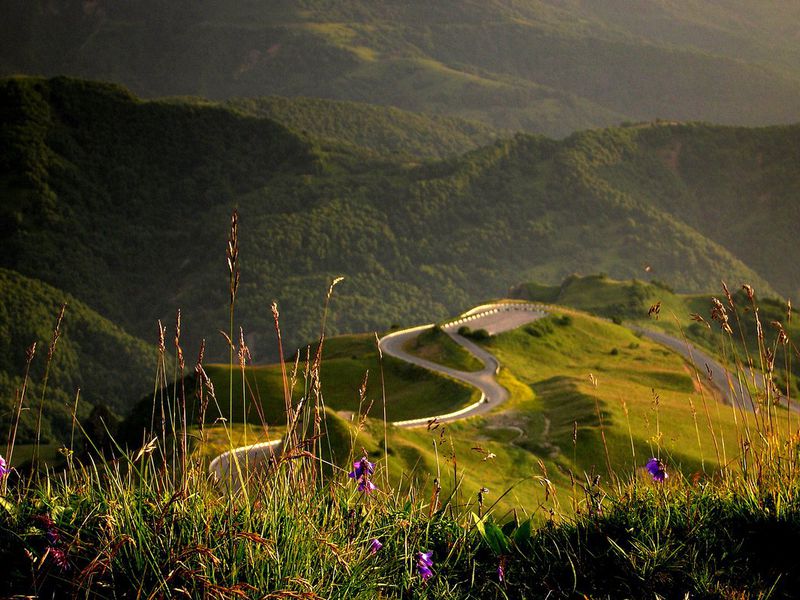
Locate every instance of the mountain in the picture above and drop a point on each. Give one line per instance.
(736, 186)
(111, 367)
(96, 182)
(380, 130)
(546, 66)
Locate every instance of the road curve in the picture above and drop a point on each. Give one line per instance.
(242, 455)
(733, 391)
(709, 368)
(501, 316)
(492, 393)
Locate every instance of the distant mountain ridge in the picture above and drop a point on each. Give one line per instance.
(125, 204)
(545, 66)
(383, 131)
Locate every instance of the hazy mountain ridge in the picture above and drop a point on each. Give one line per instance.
(549, 67)
(102, 192)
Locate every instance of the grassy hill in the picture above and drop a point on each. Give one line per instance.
(111, 367)
(411, 392)
(95, 181)
(436, 346)
(545, 67)
(630, 302)
(623, 392)
(526, 507)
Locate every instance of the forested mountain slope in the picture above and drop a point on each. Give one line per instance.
(110, 367)
(125, 204)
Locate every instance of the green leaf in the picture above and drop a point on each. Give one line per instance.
(492, 535)
(523, 533)
(9, 508)
(496, 539)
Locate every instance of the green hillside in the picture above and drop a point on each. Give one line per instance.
(348, 362)
(381, 130)
(95, 181)
(736, 186)
(436, 346)
(641, 397)
(411, 392)
(545, 67)
(630, 302)
(110, 367)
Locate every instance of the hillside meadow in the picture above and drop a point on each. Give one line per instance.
(613, 470)
(595, 467)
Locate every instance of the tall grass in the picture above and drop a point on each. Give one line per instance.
(153, 523)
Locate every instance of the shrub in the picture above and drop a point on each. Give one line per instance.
(480, 335)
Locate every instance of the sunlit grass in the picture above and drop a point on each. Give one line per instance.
(544, 495)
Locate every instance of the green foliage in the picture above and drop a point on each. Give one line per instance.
(631, 301)
(479, 335)
(94, 179)
(354, 385)
(110, 367)
(387, 131)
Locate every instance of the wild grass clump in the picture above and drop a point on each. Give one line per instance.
(113, 531)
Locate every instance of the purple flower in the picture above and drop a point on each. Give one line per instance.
(52, 536)
(4, 470)
(501, 573)
(366, 486)
(360, 467)
(657, 469)
(375, 545)
(424, 564)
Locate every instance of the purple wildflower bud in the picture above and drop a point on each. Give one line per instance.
(501, 573)
(360, 468)
(366, 486)
(424, 564)
(375, 545)
(4, 470)
(657, 469)
(59, 558)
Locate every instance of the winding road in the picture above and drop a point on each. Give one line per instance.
(495, 318)
(709, 369)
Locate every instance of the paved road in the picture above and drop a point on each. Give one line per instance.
(484, 380)
(501, 317)
(721, 378)
(725, 381)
